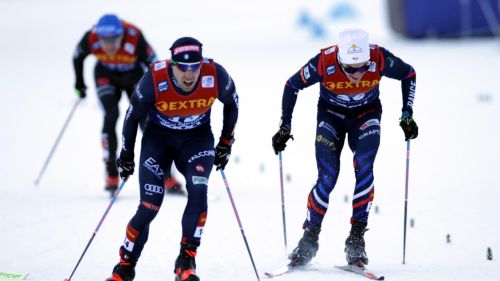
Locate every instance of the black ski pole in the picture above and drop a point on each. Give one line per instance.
(239, 222)
(57, 142)
(406, 198)
(117, 192)
(283, 214)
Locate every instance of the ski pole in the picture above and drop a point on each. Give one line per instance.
(117, 192)
(239, 222)
(57, 141)
(283, 201)
(406, 197)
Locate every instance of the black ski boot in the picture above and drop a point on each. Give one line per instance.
(355, 245)
(307, 248)
(125, 269)
(185, 264)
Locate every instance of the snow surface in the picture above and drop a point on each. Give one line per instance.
(454, 162)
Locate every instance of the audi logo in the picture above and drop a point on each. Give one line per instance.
(153, 188)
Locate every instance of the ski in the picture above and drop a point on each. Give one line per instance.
(13, 276)
(279, 271)
(288, 268)
(361, 270)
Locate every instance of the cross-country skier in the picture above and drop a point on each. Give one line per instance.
(122, 55)
(177, 96)
(349, 74)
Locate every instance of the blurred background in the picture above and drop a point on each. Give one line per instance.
(452, 44)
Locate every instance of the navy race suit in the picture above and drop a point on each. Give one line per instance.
(346, 108)
(178, 130)
(113, 74)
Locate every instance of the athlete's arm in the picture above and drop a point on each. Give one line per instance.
(229, 97)
(396, 68)
(140, 103)
(307, 76)
(82, 50)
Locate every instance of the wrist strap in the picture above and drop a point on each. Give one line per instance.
(226, 141)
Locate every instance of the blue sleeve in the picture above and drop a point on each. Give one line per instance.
(396, 68)
(229, 97)
(307, 76)
(141, 102)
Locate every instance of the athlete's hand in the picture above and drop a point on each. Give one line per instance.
(280, 138)
(409, 126)
(222, 152)
(81, 92)
(125, 167)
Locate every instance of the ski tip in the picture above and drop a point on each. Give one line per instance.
(269, 274)
(277, 272)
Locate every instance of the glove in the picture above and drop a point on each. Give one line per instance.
(280, 138)
(125, 167)
(222, 153)
(409, 126)
(81, 92)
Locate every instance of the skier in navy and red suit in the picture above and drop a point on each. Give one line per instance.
(122, 55)
(177, 96)
(349, 74)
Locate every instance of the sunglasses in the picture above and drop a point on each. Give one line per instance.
(111, 39)
(185, 66)
(352, 70)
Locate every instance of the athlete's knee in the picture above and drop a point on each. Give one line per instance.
(111, 114)
(197, 195)
(147, 211)
(363, 166)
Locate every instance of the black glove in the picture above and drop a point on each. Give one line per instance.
(222, 153)
(409, 126)
(81, 92)
(125, 167)
(280, 138)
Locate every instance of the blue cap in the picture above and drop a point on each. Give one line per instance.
(109, 25)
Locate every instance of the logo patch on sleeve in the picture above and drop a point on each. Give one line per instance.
(307, 75)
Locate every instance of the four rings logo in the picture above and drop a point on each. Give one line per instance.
(153, 188)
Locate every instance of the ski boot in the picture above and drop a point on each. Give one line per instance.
(355, 245)
(172, 186)
(112, 180)
(307, 248)
(112, 184)
(125, 269)
(185, 264)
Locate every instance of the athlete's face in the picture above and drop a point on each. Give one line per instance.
(187, 74)
(111, 46)
(355, 72)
